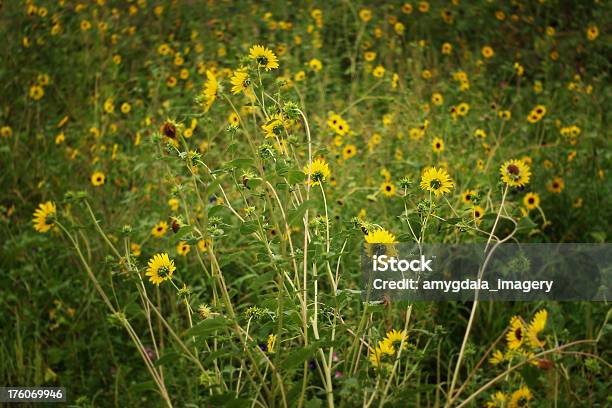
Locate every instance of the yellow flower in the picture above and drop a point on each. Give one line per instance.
(211, 87)
(174, 204)
(521, 397)
(203, 244)
(161, 268)
(299, 76)
(44, 216)
(468, 196)
(369, 56)
(135, 249)
(436, 181)
(399, 28)
(536, 114)
(379, 71)
(271, 343)
(36, 92)
(556, 185)
(275, 125)
(240, 81)
(6, 131)
(159, 229)
(437, 145)
(515, 173)
(462, 109)
(437, 99)
(315, 65)
(318, 171)
(388, 189)
(478, 212)
(487, 52)
(516, 334)
(394, 338)
(498, 400)
(349, 151)
(377, 354)
(497, 357)
(183, 248)
(264, 57)
(109, 107)
(365, 15)
(447, 48)
(531, 201)
(380, 236)
(537, 325)
(423, 6)
(97, 178)
(592, 32)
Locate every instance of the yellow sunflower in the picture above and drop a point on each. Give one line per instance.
(478, 212)
(349, 151)
(537, 325)
(240, 81)
(521, 397)
(44, 216)
(487, 52)
(318, 171)
(380, 236)
(394, 338)
(97, 179)
(556, 185)
(515, 173)
(211, 88)
(275, 125)
(497, 357)
(264, 57)
(531, 201)
(159, 229)
(378, 353)
(183, 248)
(468, 196)
(497, 400)
(161, 268)
(388, 189)
(436, 181)
(516, 335)
(437, 145)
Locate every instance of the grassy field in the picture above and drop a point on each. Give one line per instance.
(187, 187)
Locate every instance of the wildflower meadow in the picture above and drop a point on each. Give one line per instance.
(188, 186)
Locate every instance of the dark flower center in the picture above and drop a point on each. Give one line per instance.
(163, 271)
(513, 170)
(518, 333)
(435, 184)
(262, 60)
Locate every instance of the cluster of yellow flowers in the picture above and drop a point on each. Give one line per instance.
(387, 350)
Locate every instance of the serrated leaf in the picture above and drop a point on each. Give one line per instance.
(207, 326)
(249, 227)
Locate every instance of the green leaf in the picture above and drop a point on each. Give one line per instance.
(168, 357)
(216, 210)
(295, 176)
(298, 356)
(207, 326)
(295, 216)
(249, 227)
(240, 163)
(180, 234)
